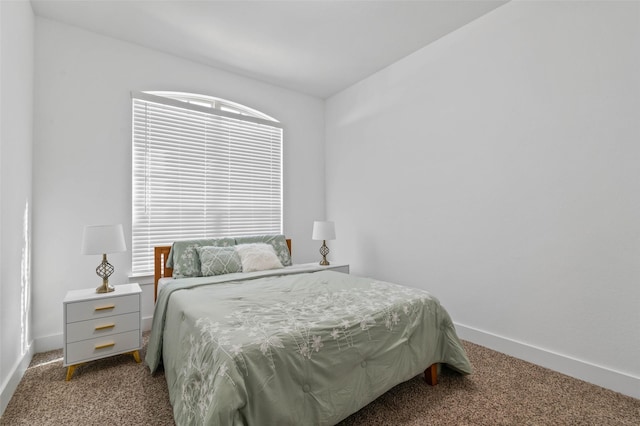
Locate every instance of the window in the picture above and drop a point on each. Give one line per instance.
(202, 167)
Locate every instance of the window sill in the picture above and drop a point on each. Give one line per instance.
(141, 279)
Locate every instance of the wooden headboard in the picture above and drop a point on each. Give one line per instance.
(160, 270)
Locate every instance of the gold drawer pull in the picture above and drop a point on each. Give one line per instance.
(106, 345)
(104, 327)
(104, 308)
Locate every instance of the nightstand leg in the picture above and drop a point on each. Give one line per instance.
(136, 356)
(70, 371)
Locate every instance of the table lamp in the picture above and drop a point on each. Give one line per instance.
(324, 230)
(103, 239)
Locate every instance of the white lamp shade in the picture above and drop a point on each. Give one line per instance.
(103, 239)
(323, 230)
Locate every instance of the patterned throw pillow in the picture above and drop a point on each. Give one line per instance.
(218, 260)
(258, 257)
(279, 243)
(184, 258)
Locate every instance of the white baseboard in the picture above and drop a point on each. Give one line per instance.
(11, 384)
(595, 374)
(48, 343)
(146, 323)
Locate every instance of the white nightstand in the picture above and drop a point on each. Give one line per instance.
(101, 325)
(338, 267)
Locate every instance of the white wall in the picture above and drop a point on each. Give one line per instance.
(499, 169)
(82, 157)
(16, 140)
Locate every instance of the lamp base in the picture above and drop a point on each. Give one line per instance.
(104, 270)
(105, 288)
(324, 251)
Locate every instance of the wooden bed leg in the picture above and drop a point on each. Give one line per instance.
(431, 374)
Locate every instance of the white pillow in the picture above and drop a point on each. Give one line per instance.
(258, 257)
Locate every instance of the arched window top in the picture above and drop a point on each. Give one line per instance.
(202, 167)
(214, 103)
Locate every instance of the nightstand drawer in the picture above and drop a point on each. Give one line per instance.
(100, 327)
(100, 347)
(104, 307)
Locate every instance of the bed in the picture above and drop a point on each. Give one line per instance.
(292, 346)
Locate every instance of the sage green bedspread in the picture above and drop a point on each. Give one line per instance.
(294, 349)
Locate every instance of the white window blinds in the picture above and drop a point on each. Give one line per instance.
(199, 172)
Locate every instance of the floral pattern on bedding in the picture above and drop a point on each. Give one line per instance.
(303, 326)
(292, 346)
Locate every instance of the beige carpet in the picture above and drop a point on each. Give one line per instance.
(502, 391)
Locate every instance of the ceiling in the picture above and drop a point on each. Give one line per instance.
(314, 47)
